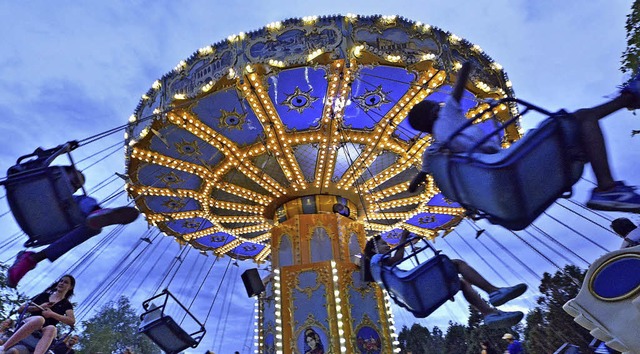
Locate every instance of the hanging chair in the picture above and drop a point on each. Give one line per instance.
(40, 196)
(608, 304)
(422, 289)
(163, 330)
(513, 187)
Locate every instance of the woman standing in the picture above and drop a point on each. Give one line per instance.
(47, 309)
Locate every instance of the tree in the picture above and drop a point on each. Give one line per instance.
(8, 302)
(455, 341)
(114, 328)
(416, 340)
(631, 55)
(548, 325)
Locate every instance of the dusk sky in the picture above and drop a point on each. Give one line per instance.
(70, 70)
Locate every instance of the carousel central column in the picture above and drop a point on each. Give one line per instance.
(316, 301)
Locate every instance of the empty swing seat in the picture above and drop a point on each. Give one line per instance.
(422, 289)
(164, 331)
(514, 186)
(41, 198)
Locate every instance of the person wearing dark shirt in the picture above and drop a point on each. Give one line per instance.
(47, 310)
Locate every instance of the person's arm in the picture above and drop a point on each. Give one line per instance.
(397, 257)
(461, 81)
(68, 318)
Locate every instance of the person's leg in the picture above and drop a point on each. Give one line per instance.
(497, 296)
(65, 243)
(592, 138)
(474, 299)
(49, 333)
(473, 277)
(30, 325)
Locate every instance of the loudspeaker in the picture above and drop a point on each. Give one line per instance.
(252, 282)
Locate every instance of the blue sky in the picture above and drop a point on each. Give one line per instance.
(69, 70)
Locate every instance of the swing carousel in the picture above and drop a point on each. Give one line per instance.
(289, 144)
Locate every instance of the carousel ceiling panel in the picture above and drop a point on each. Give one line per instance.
(226, 113)
(182, 145)
(164, 204)
(298, 95)
(404, 175)
(215, 240)
(385, 160)
(248, 249)
(430, 220)
(373, 95)
(240, 179)
(307, 155)
(398, 209)
(269, 165)
(188, 226)
(221, 195)
(441, 201)
(165, 177)
(347, 153)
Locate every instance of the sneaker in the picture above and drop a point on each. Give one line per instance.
(633, 87)
(619, 198)
(504, 295)
(503, 319)
(105, 217)
(23, 264)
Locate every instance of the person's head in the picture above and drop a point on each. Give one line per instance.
(485, 344)
(8, 323)
(623, 226)
(508, 337)
(423, 115)
(128, 350)
(72, 340)
(66, 284)
(75, 177)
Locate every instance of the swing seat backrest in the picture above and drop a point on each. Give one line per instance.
(514, 186)
(422, 289)
(41, 200)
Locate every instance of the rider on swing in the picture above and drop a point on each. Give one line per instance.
(96, 219)
(442, 121)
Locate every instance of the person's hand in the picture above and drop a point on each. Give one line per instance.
(47, 313)
(404, 235)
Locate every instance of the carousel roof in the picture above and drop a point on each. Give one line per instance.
(314, 106)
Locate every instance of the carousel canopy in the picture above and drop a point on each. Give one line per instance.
(295, 117)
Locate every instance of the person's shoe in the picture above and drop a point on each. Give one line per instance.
(619, 198)
(23, 264)
(503, 319)
(105, 217)
(504, 295)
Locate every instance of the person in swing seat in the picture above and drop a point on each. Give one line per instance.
(442, 121)
(469, 277)
(96, 219)
(47, 310)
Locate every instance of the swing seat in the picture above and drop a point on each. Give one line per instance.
(422, 289)
(164, 331)
(41, 197)
(608, 303)
(514, 186)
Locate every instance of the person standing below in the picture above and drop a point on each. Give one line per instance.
(626, 229)
(66, 346)
(96, 219)
(515, 347)
(487, 348)
(47, 310)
